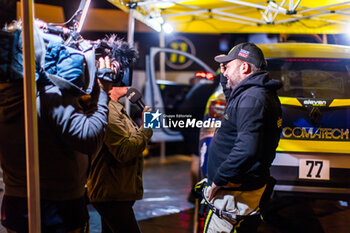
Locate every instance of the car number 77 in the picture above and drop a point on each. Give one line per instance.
(314, 169)
(318, 164)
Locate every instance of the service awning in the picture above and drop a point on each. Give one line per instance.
(236, 16)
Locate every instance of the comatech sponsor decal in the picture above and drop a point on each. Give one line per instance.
(315, 133)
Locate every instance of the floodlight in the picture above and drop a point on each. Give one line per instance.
(167, 28)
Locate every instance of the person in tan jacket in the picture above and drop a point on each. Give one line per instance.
(115, 179)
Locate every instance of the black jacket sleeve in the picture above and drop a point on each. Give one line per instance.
(81, 129)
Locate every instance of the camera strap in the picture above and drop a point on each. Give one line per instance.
(65, 85)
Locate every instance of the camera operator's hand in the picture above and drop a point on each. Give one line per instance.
(105, 63)
(106, 67)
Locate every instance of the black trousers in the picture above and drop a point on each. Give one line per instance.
(117, 217)
(56, 216)
(249, 225)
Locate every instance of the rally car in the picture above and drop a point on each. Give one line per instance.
(313, 156)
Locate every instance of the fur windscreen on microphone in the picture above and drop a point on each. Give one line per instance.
(120, 50)
(133, 95)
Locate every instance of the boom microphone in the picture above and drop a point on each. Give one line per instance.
(54, 30)
(135, 97)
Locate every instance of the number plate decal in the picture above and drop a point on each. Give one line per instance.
(314, 169)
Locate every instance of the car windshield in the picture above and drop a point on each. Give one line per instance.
(312, 77)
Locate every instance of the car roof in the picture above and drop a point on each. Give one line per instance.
(291, 50)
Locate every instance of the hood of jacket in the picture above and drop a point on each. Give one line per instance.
(260, 79)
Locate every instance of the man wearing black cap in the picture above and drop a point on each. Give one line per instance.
(244, 147)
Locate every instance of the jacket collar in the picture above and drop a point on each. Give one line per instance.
(119, 106)
(254, 79)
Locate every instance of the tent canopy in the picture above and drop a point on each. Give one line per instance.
(238, 16)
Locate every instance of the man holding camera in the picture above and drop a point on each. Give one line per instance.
(68, 135)
(70, 131)
(244, 147)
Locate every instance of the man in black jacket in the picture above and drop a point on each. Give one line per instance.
(70, 130)
(244, 147)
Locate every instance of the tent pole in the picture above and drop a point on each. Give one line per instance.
(31, 124)
(131, 29)
(131, 32)
(162, 55)
(324, 38)
(162, 77)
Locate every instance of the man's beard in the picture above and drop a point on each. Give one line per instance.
(231, 84)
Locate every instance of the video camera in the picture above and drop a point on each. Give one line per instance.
(116, 49)
(120, 51)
